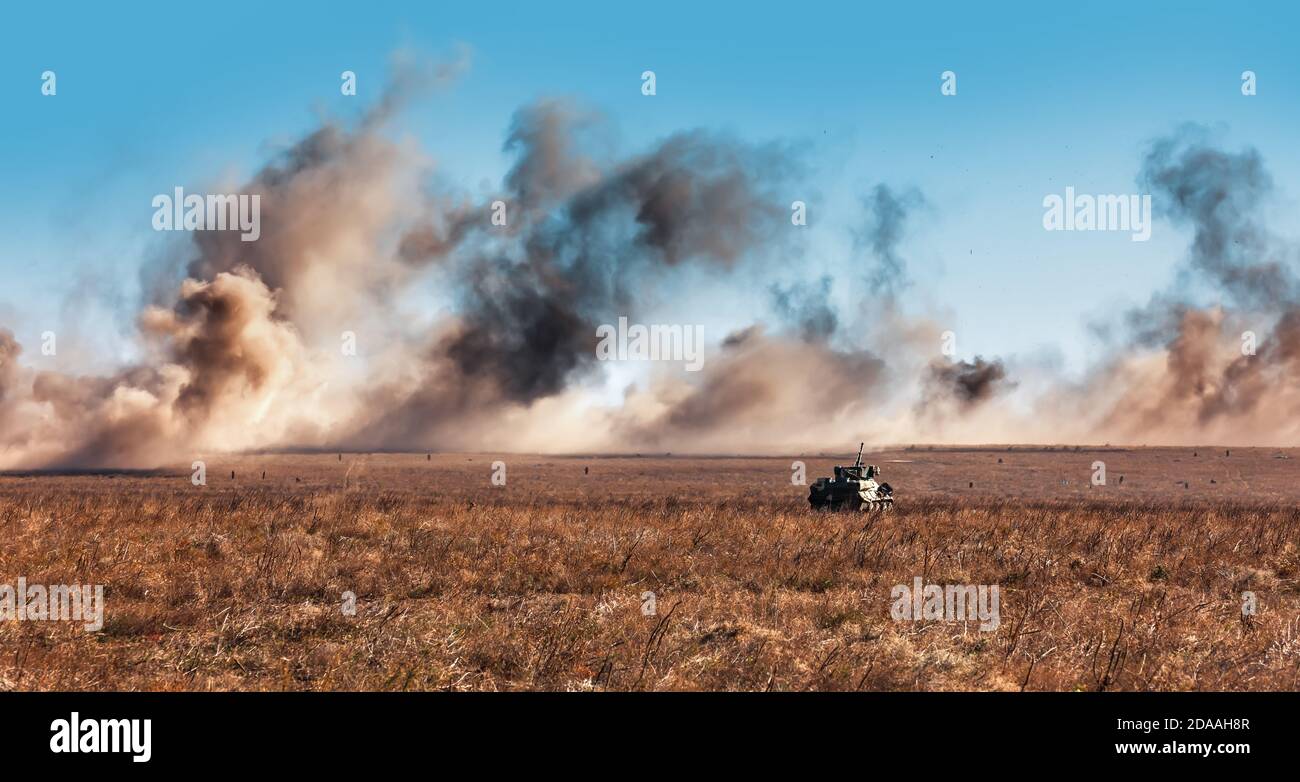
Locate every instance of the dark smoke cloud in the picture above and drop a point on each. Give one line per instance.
(1220, 194)
(549, 169)
(887, 215)
(525, 330)
(697, 197)
(530, 309)
(968, 383)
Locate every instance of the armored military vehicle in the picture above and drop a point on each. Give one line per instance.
(852, 488)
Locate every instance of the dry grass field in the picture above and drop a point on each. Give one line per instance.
(538, 584)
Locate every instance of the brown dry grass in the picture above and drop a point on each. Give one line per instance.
(537, 585)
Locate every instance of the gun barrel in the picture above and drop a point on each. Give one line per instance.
(858, 462)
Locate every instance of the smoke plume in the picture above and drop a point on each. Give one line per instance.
(474, 315)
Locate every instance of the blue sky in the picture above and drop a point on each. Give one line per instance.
(151, 96)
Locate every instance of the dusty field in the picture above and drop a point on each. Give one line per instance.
(461, 584)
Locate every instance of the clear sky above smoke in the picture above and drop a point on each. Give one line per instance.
(192, 95)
